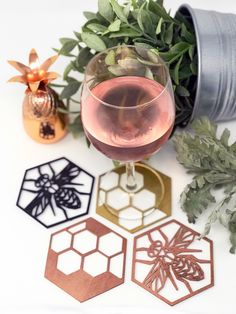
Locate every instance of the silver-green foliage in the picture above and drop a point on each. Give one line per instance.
(213, 160)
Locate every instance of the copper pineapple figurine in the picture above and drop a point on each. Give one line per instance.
(42, 121)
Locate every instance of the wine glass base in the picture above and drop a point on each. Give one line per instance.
(134, 210)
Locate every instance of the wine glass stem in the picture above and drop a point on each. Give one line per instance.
(130, 174)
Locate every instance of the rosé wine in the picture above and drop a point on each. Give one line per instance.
(128, 118)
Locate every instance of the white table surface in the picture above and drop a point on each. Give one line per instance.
(23, 242)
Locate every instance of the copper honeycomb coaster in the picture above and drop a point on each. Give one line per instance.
(170, 263)
(148, 204)
(86, 259)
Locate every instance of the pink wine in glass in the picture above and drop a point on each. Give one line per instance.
(128, 118)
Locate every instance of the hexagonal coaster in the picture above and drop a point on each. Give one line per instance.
(148, 203)
(86, 259)
(55, 192)
(171, 263)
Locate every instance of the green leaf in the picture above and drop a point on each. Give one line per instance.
(127, 9)
(76, 128)
(225, 137)
(154, 18)
(93, 41)
(182, 91)
(67, 71)
(191, 52)
(68, 46)
(194, 200)
(89, 15)
(135, 14)
(145, 22)
(148, 73)
(105, 9)
(194, 68)
(184, 72)
(70, 90)
(159, 10)
(212, 159)
(169, 34)
(176, 71)
(189, 37)
(97, 28)
(232, 223)
(180, 47)
(204, 126)
(134, 4)
(110, 58)
(147, 62)
(125, 32)
(84, 56)
(175, 52)
(160, 2)
(117, 70)
(210, 221)
(233, 242)
(64, 40)
(115, 26)
(78, 35)
(143, 45)
(158, 29)
(118, 11)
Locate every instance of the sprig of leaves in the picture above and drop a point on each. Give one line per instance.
(213, 160)
(143, 23)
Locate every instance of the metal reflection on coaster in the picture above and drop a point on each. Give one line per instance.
(171, 263)
(149, 203)
(56, 192)
(86, 259)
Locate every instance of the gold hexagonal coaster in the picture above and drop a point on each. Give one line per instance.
(149, 203)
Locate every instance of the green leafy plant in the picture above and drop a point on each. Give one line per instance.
(213, 160)
(144, 23)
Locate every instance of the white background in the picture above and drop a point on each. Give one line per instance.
(23, 242)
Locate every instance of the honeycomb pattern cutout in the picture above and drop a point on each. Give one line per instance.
(128, 210)
(82, 261)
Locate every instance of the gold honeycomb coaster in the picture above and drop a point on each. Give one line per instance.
(149, 203)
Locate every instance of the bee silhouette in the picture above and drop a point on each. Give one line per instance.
(173, 260)
(55, 191)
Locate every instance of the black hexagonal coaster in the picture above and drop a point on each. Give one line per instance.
(56, 192)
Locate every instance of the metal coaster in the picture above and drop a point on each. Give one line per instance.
(171, 263)
(149, 203)
(86, 259)
(56, 192)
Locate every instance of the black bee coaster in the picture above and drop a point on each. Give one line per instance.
(56, 192)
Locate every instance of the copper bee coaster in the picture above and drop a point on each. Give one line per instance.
(171, 263)
(86, 259)
(56, 192)
(149, 203)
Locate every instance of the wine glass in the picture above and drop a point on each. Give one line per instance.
(128, 113)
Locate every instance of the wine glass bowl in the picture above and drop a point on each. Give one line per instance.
(127, 107)
(128, 110)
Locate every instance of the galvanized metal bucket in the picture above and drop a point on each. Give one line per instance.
(216, 45)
